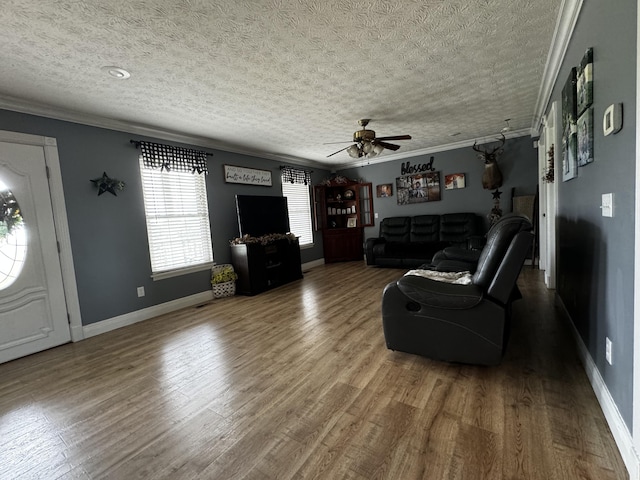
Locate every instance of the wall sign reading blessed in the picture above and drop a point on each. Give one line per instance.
(250, 176)
(408, 169)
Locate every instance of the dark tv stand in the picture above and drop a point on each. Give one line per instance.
(263, 267)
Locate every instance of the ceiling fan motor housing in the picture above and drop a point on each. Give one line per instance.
(364, 136)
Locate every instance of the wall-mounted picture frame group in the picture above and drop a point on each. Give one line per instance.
(569, 129)
(584, 94)
(577, 118)
(424, 187)
(454, 180)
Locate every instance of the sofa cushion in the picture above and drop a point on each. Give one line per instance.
(425, 228)
(456, 228)
(395, 229)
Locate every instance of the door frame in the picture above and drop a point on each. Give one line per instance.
(635, 428)
(552, 136)
(50, 147)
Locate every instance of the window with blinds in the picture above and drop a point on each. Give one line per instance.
(299, 205)
(177, 221)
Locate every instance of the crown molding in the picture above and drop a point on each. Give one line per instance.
(567, 19)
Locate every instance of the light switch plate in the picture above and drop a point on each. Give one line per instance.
(607, 205)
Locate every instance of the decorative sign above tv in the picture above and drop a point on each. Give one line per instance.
(249, 176)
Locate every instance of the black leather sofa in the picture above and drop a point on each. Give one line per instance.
(461, 323)
(412, 241)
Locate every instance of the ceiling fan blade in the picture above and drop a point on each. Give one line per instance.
(341, 150)
(396, 137)
(388, 146)
(335, 143)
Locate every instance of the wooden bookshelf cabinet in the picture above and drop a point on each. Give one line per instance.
(342, 210)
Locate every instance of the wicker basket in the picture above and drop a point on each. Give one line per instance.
(226, 289)
(223, 289)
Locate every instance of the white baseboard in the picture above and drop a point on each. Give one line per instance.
(621, 433)
(314, 263)
(104, 326)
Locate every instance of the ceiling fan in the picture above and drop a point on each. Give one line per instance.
(366, 143)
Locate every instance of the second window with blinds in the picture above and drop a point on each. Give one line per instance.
(299, 205)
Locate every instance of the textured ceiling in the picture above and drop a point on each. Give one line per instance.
(283, 77)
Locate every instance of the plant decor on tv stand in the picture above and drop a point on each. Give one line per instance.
(264, 239)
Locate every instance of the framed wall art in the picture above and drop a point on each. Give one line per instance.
(453, 181)
(585, 137)
(584, 82)
(248, 176)
(424, 187)
(569, 155)
(384, 190)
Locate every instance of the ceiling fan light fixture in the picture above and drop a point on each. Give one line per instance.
(353, 151)
(365, 143)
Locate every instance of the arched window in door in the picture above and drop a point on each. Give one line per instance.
(13, 238)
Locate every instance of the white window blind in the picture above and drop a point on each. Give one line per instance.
(299, 205)
(177, 220)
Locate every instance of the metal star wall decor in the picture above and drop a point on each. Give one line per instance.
(106, 184)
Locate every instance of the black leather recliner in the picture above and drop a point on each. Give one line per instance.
(461, 323)
(458, 259)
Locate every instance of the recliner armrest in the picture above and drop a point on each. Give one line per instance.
(373, 241)
(436, 294)
(368, 248)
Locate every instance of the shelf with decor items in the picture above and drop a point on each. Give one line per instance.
(342, 209)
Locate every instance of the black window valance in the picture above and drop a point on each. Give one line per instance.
(170, 158)
(296, 175)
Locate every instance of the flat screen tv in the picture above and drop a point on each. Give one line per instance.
(262, 215)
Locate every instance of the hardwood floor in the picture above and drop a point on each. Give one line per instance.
(297, 383)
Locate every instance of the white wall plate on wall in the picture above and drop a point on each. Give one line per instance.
(612, 119)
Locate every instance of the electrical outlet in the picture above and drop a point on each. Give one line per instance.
(140, 291)
(608, 350)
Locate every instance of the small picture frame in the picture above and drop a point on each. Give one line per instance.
(384, 190)
(453, 181)
(352, 222)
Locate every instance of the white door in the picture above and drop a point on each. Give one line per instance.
(548, 195)
(33, 313)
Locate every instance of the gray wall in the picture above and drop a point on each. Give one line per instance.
(518, 163)
(108, 234)
(595, 254)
